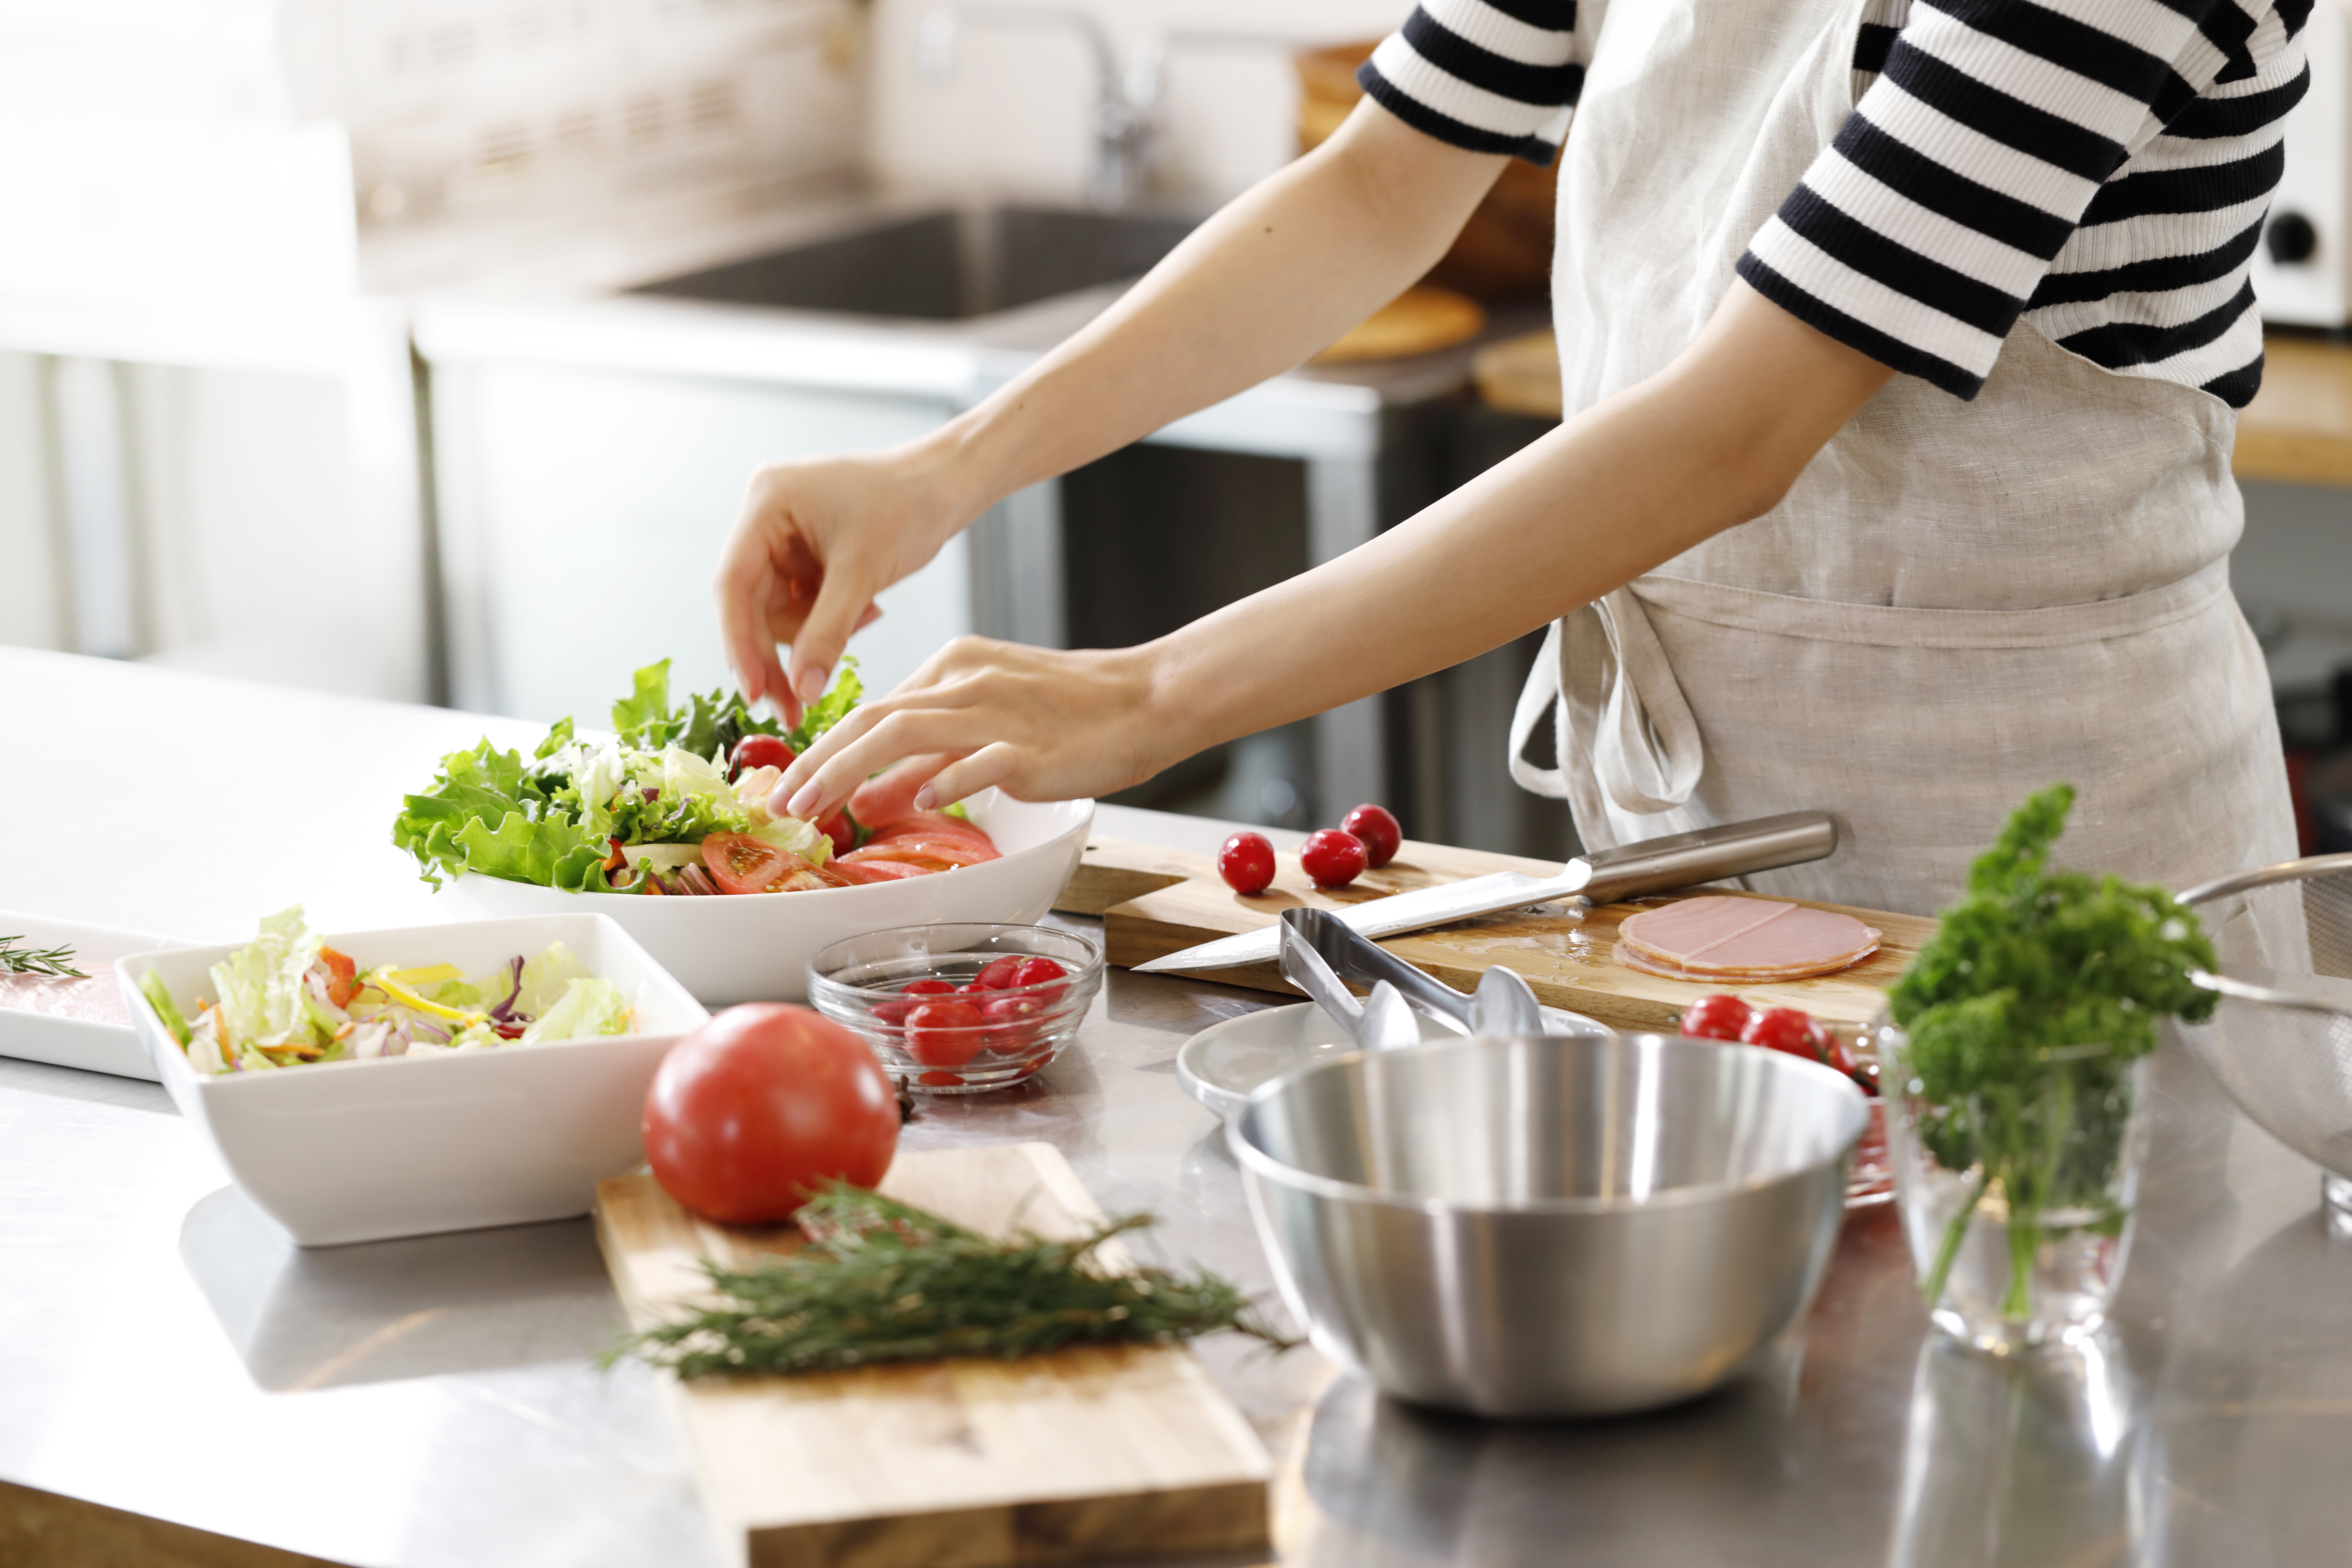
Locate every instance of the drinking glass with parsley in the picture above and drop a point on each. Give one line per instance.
(2013, 1079)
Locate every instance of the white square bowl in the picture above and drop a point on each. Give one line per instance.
(361, 1150)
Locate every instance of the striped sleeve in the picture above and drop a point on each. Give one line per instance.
(1921, 233)
(1493, 76)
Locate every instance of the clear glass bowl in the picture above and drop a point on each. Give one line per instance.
(968, 1041)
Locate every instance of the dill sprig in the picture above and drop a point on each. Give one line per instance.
(881, 1281)
(14, 960)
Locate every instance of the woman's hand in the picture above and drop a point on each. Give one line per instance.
(817, 540)
(1042, 723)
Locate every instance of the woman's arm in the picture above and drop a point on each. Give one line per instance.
(1714, 440)
(1274, 276)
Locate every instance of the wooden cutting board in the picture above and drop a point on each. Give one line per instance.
(1155, 901)
(1086, 1455)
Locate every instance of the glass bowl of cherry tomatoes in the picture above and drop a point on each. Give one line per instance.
(1849, 1048)
(957, 1008)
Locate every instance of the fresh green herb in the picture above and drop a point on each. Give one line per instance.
(58, 960)
(2025, 1012)
(883, 1281)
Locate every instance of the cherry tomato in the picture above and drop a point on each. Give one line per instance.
(1246, 863)
(1378, 830)
(896, 1012)
(1040, 974)
(743, 864)
(1333, 858)
(1717, 1017)
(1011, 1025)
(997, 972)
(941, 1080)
(944, 1034)
(759, 751)
(841, 830)
(1784, 1030)
(752, 1113)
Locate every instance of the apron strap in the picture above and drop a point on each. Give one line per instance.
(1539, 696)
(1627, 743)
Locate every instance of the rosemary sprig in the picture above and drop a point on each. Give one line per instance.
(883, 1281)
(14, 960)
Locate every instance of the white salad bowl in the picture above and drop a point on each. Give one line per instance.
(360, 1151)
(755, 947)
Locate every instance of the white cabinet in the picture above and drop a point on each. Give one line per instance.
(582, 508)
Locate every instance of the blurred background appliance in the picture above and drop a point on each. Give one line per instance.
(2302, 269)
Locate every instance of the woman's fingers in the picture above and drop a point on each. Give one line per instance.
(891, 795)
(991, 764)
(1046, 725)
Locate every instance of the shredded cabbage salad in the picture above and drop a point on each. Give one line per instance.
(612, 815)
(286, 998)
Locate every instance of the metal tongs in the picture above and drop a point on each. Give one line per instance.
(1319, 953)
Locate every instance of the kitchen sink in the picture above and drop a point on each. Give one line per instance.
(944, 266)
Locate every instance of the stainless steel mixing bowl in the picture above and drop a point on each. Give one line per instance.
(1548, 1227)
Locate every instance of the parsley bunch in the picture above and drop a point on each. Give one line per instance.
(2025, 1012)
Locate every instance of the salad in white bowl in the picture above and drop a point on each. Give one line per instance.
(669, 811)
(287, 999)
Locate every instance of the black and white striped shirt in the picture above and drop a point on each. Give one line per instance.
(2102, 167)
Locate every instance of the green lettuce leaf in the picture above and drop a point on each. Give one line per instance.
(159, 996)
(830, 709)
(263, 999)
(553, 852)
(589, 1007)
(546, 978)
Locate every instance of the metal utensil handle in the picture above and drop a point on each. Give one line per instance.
(1709, 855)
(1354, 957)
(1305, 967)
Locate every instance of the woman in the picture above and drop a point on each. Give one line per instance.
(1902, 346)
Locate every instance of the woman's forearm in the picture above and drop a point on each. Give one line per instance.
(1707, 444)
(1273, 278)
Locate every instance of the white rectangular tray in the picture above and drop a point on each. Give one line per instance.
(78, 1042)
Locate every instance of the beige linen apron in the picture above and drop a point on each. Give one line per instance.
(1956, 605)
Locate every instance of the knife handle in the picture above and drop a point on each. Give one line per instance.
(1709, 855)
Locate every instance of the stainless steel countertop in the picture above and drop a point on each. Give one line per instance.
(164, 1352)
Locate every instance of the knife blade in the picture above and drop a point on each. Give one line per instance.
(1652, 866)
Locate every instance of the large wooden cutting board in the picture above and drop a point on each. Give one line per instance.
(1086, 1455)
(1154, 901)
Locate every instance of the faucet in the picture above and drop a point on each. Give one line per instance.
(1124, 129)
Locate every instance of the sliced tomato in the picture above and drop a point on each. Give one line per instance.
(919, 859)
(743, 863)
(341, 984)
(947, 851)
(931, 824)
(878, 871)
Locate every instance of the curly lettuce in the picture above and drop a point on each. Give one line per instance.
(556, 819)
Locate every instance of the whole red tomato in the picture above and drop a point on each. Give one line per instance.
(1332, 858)
(759, 751)
(1377, 827)
(753, 1112)
(1785, 1029)
(1717, 1017)
(1246, 863)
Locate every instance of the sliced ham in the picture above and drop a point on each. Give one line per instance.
(1751, 941)
(97, 1000)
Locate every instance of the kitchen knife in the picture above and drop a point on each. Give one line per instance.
(1629, 871)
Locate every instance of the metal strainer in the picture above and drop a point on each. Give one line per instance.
(2280, 1041)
